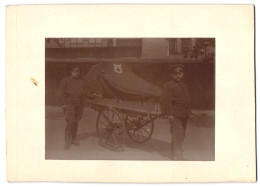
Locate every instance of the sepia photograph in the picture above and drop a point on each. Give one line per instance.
(130, 93)
(130, 99)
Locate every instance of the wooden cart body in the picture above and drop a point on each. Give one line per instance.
(128, 104)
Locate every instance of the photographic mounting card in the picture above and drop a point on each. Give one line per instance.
(29, 26)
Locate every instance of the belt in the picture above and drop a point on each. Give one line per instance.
(181, 104)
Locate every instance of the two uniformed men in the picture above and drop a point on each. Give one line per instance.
(176, 104)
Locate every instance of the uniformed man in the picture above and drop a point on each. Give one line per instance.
(176, 104)
(72, 92)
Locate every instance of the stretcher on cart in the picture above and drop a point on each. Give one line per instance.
(129, 104)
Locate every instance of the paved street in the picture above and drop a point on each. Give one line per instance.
(198, 145)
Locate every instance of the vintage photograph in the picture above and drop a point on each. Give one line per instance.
(130, 99)
(126, 93)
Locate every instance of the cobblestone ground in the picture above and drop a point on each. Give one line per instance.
(198, 145)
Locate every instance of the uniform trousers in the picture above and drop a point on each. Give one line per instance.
(73, 114)
(178, 130)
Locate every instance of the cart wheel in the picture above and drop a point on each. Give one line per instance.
(110, 129)
(139, 128)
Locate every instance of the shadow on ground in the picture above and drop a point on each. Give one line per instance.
(151, 146)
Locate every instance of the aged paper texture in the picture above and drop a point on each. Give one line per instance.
(232, 26)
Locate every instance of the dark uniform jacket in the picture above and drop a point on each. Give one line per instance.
(176, 100)
(72, 91)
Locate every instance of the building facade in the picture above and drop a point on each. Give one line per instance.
(150, 59)
(144, 48)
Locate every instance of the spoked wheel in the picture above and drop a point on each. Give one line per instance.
(139, 128)
(110, 129)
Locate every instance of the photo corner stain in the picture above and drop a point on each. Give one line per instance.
(34, 81)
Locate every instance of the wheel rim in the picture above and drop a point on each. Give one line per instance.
(110, 129)
(139, 129)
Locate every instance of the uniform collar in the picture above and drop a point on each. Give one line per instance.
(175, 82)
(74, 78)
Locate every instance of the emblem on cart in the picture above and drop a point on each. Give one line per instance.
(118, 68)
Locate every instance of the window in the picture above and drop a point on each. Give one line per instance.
(92, 40)
(79, 41)
(98, 40)
(74, 40)
(185, 45)
(173, 46)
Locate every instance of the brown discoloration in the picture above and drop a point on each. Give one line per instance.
(34, 81)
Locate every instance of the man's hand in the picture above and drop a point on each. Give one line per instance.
(64, 107)
(170, 117)
(97, 95)
(191, 116)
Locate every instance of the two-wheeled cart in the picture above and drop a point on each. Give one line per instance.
(129, 104)
(116, 118)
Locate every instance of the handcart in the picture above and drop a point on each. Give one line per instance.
(129, 105)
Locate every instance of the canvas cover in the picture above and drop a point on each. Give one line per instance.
(116, 80)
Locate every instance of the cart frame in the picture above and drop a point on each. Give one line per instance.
(115, 120)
